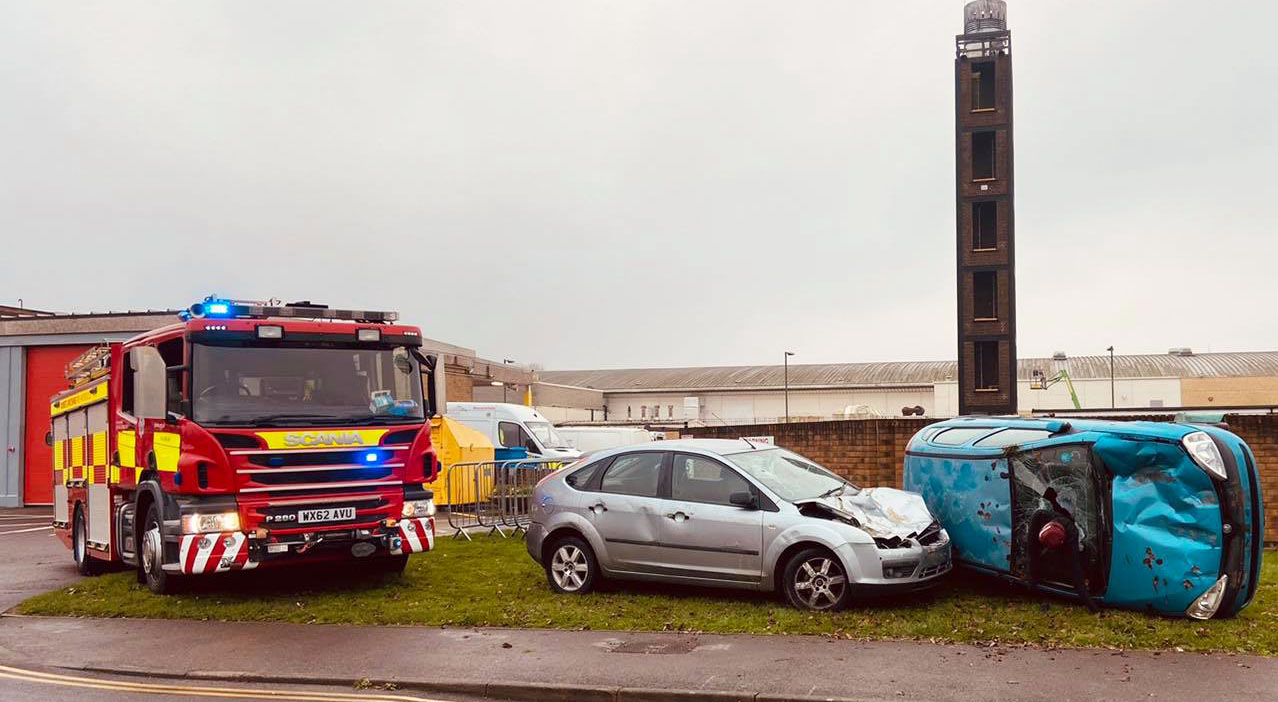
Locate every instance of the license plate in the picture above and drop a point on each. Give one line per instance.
(331, 514)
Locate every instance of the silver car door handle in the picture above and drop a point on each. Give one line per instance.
(676, 515)
(598, 507)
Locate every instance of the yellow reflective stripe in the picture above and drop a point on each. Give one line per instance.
(114, 476)
(77, 451)
(322, 438)
(168, 448)
(59, 456)
(126, 443)
(88, 396)
(99, 448)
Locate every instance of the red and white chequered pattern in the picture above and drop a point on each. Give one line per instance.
(416, 535)
(212, 553)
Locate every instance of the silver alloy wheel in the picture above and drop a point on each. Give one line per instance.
(819, 582)
(151, 550)
(568, 568)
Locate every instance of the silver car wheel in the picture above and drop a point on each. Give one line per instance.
(568, 567)
(151, 545)
(819, 582)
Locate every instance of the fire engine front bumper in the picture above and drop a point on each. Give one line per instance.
(235, 550)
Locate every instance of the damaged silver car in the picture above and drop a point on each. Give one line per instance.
(731, 514)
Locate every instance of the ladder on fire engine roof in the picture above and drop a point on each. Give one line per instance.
(90, 365)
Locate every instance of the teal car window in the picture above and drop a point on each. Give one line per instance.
(1011, 437)
(960, 435)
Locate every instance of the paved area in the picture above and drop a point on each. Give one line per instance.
(778, 665)
(791, 666)
(34, 560)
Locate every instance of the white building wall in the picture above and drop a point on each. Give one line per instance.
(1092, 394)
(762, 406)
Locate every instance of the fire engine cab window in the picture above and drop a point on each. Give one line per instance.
(297, 386)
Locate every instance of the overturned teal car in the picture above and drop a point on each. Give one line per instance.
(1161, 517)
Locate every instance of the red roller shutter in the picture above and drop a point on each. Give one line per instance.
(46, 366)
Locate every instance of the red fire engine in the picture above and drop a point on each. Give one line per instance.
(247, 435)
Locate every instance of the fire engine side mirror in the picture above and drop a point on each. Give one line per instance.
(48, 438)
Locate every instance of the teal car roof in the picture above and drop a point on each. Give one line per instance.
(1060, 427)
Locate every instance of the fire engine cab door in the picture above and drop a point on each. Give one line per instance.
(157, 443)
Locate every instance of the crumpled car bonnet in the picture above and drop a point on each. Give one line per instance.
(881, 512)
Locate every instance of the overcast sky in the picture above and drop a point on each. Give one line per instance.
(644, 183)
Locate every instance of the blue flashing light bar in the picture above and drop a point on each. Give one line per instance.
(216, 307)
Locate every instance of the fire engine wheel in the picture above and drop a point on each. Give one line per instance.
(84, 563)
(152, 561)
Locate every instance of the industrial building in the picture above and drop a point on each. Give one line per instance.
(757, 394)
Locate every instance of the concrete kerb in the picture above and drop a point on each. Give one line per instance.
(497, 690)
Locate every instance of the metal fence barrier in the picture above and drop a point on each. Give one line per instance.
(492, 495)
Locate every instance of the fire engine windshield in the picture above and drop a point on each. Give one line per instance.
(290, 386)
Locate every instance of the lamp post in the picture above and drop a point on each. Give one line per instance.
(504, 385)
(786, 364)
(1112, 405)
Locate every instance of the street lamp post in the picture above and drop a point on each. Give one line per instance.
(786, 365)
(1112, 405)
(504, 385)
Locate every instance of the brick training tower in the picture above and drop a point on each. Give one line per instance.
(986, 217)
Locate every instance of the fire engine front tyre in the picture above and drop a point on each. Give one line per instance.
(151, 562)
(84, 563)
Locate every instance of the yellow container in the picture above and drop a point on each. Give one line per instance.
(457, 443)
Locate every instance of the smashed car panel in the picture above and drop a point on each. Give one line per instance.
(880, 512)
(1112, 513)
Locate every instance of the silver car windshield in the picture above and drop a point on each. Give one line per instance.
(791, 476)
(546, 434)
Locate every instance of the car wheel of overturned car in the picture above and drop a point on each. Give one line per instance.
(571, 567)
(815, 580)
(84, 564)
(151, 560)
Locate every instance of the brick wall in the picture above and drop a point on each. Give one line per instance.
(872, 452)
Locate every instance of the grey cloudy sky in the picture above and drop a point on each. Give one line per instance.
(642, 183)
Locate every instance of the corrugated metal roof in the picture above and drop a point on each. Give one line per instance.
(1204, 365)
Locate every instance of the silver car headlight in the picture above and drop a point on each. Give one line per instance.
(1208, 602)
(1205, 453)
(418, 509)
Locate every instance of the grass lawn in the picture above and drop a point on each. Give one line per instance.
(492, 582)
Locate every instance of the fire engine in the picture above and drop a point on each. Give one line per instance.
(247, 435)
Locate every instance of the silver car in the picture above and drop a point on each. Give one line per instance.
(731, 513)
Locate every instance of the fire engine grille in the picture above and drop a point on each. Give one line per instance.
(286, 459)
(339, 475)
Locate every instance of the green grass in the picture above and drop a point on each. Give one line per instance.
(492, 582)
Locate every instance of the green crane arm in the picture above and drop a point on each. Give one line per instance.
(1069, 383)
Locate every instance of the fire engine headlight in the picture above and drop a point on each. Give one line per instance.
(1204, 452)
(419, 508)
(1208, 602)
(217, 521)
(369, 335)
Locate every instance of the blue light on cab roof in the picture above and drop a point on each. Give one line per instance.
(213, 308)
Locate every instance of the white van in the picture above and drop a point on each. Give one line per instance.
(509, 425)
(587, 439)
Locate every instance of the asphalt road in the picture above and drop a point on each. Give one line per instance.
(34, 560)
(51, 685)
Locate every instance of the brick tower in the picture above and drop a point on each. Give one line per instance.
(986, 218)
